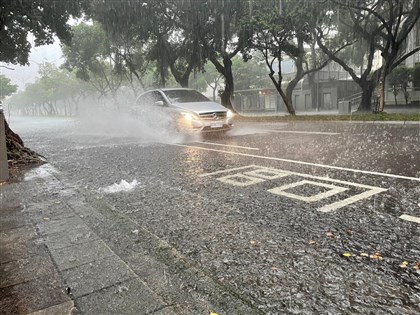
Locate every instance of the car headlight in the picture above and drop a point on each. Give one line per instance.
(189, 116)
(229, 114)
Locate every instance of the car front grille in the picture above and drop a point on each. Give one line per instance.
(213, 116)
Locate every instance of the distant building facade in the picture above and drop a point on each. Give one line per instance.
(331, 84)
(413, 41)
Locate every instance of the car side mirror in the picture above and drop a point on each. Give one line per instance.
(159, 103)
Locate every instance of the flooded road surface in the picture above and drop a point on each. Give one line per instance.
(292, 218)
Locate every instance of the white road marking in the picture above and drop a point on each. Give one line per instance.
(267, 173)
(305, 132)
(339, 204)
(246, 180)
(301, 162)
(227, 171)
(372, 190)
(333, 191)
(228, 145)
(410, 218)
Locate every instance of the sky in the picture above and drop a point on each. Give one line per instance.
(22, 75)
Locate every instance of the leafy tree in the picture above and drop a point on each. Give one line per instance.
(54, 87)
(6, 88)
(225, 37)
(251, 74)
(209, 78)
(43, 19)
(399, 80)
(382, 25)
(284, 28)
(165, 32)
(92, 56)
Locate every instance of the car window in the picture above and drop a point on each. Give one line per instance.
(185, 96)
(157, 96)
(145, 99)
(150, 98)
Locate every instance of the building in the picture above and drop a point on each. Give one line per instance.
(332, 84)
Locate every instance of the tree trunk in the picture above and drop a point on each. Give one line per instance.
(289, 90)
(17, 153)
(286, 100)
(380, 103)
(227, 95)
(183, 81)
(366, 102)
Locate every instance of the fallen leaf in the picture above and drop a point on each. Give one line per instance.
(312, 242)
(253, 242)
(347, 255)
(212, 313)
(330, 234)
(377, 256)
(274, 268)
(404, 264)
(417, 266)
(364, 255)
(46, 219)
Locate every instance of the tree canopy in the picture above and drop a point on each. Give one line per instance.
(41, 18)
(6, 87)
(372, 26)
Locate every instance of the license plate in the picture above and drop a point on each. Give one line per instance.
(216, 124)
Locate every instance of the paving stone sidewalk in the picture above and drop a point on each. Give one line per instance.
(51, 262)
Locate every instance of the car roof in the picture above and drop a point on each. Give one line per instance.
(175, 89)
(170, 89)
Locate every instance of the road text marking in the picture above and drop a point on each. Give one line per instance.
(259, 174)
(333, 191)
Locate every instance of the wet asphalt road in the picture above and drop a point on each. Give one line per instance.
(297, 218)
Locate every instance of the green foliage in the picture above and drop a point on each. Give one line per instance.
(6, 88)
(283, 28)
(399, 80)
(93, 58)
(166, 33)
(54, 85)
(370, 26)
(42, 18)
(252, 74)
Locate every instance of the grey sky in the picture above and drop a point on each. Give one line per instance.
(22, 75)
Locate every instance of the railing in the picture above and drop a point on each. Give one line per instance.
(350, 98)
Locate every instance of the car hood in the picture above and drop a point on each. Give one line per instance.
(201, 107)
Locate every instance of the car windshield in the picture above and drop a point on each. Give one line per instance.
(185, 96)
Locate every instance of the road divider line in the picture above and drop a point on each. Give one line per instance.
(410, 218)
(306, 132)
(228, 145)
(301, 162)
